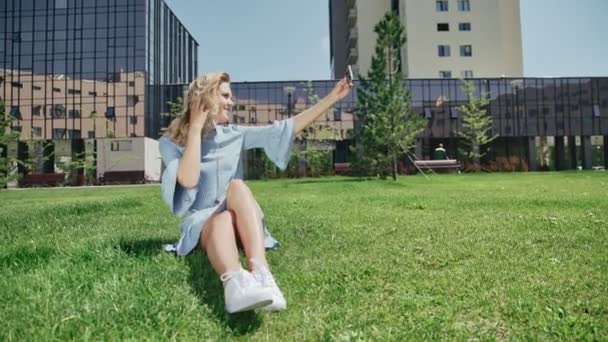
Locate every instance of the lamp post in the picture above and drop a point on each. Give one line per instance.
(289, 90)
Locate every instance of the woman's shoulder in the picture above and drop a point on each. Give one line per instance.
(167, 142)
(165, 139)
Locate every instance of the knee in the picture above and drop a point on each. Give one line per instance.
(216, 224)
(223, 219)
(237, 185)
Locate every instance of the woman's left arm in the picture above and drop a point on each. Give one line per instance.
(308, 116)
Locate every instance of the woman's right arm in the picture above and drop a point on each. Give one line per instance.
(190, 164)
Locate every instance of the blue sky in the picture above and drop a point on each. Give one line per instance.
(276, 40)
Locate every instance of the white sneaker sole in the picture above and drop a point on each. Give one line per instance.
(277, 305)
(251, 304)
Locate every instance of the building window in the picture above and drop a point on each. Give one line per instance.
(36, 87)
(464, 26)
(131, 83)
(61, 4)
(91, 134)
(16, 37)
(443, 27)
(467, 74)
(17, 129)
(59, 133)
(15, 113)
(441, 5)
(110, 113)
(73, 91)
(17, 85)
(443, 50)
(132, 100)
(445, 74)
(73, 134)
(37, 131)
(133, 120)
(74, 113)
(428, 114)
(93, 93)
(338, 115)
(596, 111)
(121, 145)
(36, 110)
(466, 51)
(464, 5)
(56, 90)
(57, 111)
(453, 113)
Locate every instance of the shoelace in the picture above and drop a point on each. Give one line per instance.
(265, 277)
(245, 281)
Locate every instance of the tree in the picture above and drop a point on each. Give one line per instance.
(476, 125)
(308, 158)
(388, 125)
(8, 165)
(175, 110)
(93, 116)
(83, 162)
(39, 152)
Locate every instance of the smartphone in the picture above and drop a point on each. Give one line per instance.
(349, 73)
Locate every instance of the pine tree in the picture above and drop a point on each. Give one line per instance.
(388, 126)
(476, 125)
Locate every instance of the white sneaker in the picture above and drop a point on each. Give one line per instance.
(243, 293)
(266, 280)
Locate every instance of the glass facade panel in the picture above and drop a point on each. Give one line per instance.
(63, 54)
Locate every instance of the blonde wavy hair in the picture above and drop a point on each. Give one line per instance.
(202, 93)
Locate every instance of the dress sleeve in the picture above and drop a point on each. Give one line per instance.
(178, 198)
(276, 140)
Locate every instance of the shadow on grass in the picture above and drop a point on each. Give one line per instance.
(26, 259)
(143, 248)
(208, 288)
(204, 281)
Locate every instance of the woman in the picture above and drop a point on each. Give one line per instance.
(203, 180)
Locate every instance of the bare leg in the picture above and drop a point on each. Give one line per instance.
(242, 292)
(241, 203)
(219, 241)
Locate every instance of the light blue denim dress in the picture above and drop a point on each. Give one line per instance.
(220, 163)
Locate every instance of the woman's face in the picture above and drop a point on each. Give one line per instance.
(224, 102)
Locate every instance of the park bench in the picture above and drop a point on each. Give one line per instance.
(438, 165)
(342, 168)
(123, 177)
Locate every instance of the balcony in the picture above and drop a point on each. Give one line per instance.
(353, 56)
(351, 20)
(353, 34)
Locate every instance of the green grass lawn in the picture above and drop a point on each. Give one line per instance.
(494, 256)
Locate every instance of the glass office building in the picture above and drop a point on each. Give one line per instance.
(540, 123)
(555, 123)
(72, 70)
(87, 69)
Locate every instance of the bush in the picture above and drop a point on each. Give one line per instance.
(509, 164)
